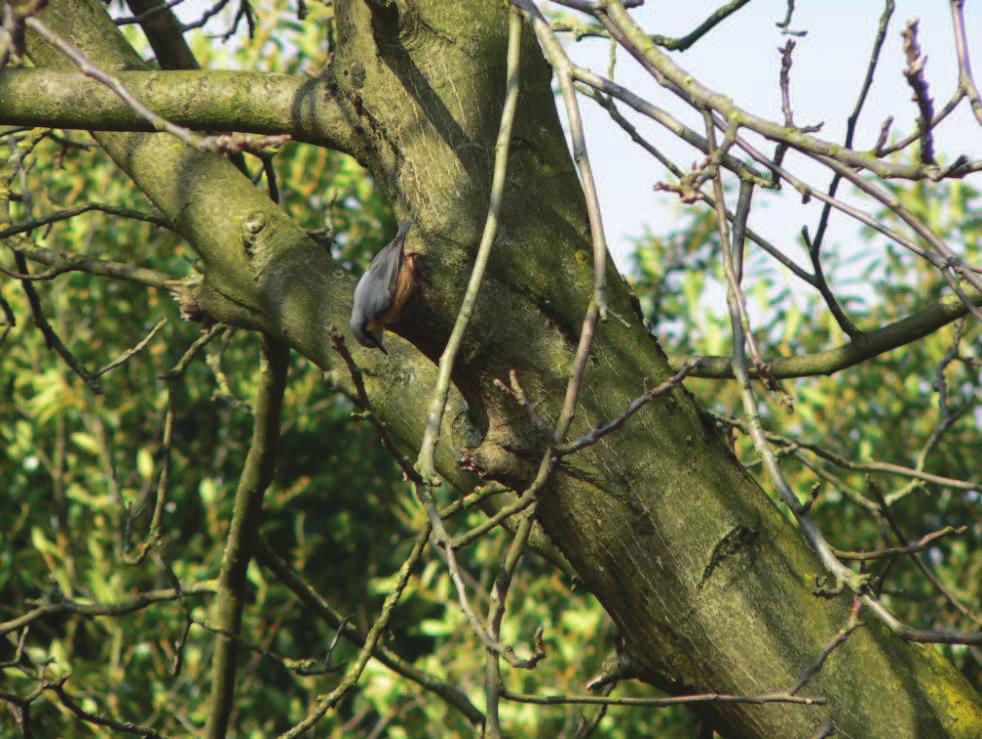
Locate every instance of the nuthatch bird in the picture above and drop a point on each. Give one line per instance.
(384, 290)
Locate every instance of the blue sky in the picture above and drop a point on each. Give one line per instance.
(740, 57)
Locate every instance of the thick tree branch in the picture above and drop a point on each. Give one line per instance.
(213, 100)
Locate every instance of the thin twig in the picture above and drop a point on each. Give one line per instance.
(171, 379)
(562, 68)
(326, 702)
(339, 345)
(840, 637)
(635, 405)
(133, 350)
(632, 37)
(130, 605)
(127, 727)
(493, 685)
(680, 43)
(224, 143)
(147, 14)
(677, 700)
(815, 244)
(785, 25)
(840, 461)
(901, 536)
(61, 262)
(64, 215)
(665, 119)
(965, 79)
(425, 464)
(915, 546)
(318, 605)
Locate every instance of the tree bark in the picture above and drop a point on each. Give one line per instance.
(709, 585)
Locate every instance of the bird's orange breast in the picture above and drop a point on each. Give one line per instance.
(405, 284)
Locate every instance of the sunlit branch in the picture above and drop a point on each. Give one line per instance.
(965, 79)
(681, 43)
(866, 346)
(616, 19)
(840, 461)
(665, 119)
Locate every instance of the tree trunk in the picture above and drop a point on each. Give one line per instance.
(710, 586)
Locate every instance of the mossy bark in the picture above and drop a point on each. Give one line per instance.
(708, 583)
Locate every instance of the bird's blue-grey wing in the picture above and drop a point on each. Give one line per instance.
(376, 288)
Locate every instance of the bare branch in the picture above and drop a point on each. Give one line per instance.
(679, 700)
(670, 75)
(785, 25)
(61, 262)
(602, 430)
(337, 341)
(562, 67)
(872, 466)
(901, 537)
(915, 546)
(665, 119)
(840, 637)
(133, 350)
(965, 79)
(121, 608)
(148, 14)
(163, 481)
(815, 244)
(127, 727)
(64, 215)
(870, 344)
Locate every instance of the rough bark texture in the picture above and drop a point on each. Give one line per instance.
(709, 584)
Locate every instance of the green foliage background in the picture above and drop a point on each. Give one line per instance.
(72, 463)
